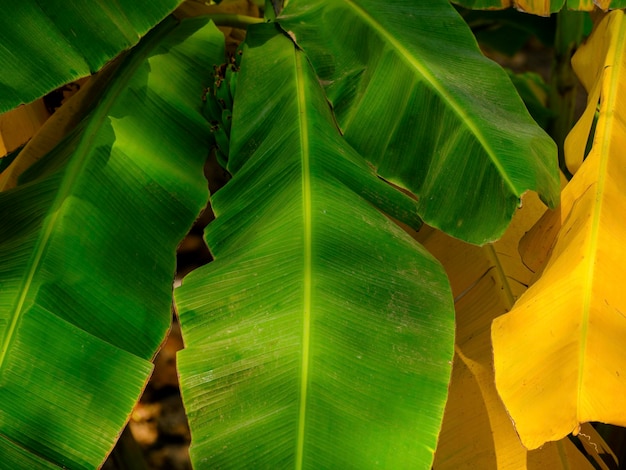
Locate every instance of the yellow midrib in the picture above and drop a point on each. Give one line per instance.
(306, 209)
(616, 52)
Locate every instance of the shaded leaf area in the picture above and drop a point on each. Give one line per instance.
(321, 335)
(414, 95)
(507, 31)
(559, 355)
(534, 91)
(86, 281)
(542, 7)
(158, 423)
(47, 44)
(477, 431)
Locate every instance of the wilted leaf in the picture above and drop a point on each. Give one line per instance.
(19, 125)
(559, 354)
(542, 7)
(477, 431)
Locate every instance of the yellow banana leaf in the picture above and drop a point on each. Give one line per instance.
(563, 454)
(559, 354)
(51, 131)
(18, 125)
(477, 432)
(537, 243)
(594, 63)
(588, 5)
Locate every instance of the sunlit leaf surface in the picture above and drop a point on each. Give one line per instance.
(414, 95)
(322, 334)
(85, 275)
(559, 355)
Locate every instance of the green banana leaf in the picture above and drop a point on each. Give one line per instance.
(413, 94)
(50, 43)
(321, 335)
(87, 254)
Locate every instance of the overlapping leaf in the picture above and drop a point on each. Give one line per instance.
(47, 44)
(85, 275)
(559, 355)
(477, 432)
(321, 336)
(18, 126)
(542, 7)
(414, 95)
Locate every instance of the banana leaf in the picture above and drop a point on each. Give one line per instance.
(542, 7)
(86, 280)
(321, 335)
(559, 355)
(537, 7)
(19, 125)
(477, 431)
(47, 44)
(413, 94)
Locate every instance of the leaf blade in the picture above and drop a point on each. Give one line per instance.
(391, 65)
(263, 388)
(44, 49)
(86, 284)
(579, 329)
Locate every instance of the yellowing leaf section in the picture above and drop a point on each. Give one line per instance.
(542, 7)
(18, 125)
(477, 432)
(559, 354)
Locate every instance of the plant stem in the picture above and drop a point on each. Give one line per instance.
(234, 21)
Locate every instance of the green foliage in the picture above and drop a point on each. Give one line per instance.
(86, 276)
(326, 337)
(47, 44)
(423, 122)
(322, 334)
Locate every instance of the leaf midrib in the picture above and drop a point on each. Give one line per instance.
(75, 165)
(307, 279)
(609, 115)
(406, 55)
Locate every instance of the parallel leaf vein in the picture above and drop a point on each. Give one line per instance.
(608, 115)
(77, 163)
(407, 56)
(306, 210)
